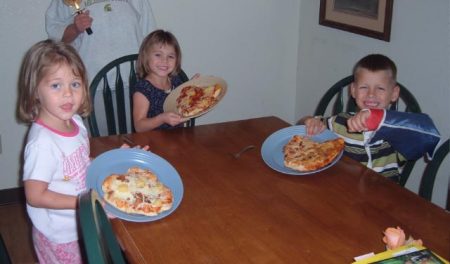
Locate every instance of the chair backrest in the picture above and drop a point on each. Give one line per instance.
(97, 236)
(4, 255)
(115, 81)
(429, 175)
(337, 100)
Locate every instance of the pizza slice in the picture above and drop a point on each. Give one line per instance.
(195, 99)
(303, 154)
(138, 191)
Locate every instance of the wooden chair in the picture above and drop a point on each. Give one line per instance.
(337, 100)
(116, 104)
(4, 255)
(97, 236)
(429, 175)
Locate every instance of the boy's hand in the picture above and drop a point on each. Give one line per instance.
(357, 123)
(314, 126)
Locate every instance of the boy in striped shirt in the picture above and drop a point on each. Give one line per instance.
(381, 139)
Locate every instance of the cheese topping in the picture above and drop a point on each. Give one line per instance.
(137, 191)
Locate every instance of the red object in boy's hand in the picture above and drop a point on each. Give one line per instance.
(374, 120)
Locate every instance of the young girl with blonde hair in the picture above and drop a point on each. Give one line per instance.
(53, 97)
(158, 67)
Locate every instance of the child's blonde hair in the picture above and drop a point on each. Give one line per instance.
(160, 37)
(35, 66)
(376, 62)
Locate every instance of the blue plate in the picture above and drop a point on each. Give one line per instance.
(272, 148)
(119, 161)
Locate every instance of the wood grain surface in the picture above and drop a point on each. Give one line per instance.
(242, 211)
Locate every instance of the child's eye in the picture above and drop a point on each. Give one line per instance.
(55, 86)
(362, 87)
(76, 84)
(381, 88)
(171, 57)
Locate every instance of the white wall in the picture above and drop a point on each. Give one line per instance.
(420, 46)
(252, 44)
(275, 57)
(21, 25)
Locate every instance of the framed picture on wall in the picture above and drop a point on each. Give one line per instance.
(370, 18)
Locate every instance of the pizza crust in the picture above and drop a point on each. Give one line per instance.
(138, 191)
(303, 154)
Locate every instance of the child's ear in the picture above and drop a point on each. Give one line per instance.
(352, 89)
(395, 93)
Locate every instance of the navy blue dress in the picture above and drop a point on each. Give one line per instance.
(156, 97)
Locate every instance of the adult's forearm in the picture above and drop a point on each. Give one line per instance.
(70, 34)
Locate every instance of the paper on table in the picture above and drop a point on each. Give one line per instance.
(392, 253)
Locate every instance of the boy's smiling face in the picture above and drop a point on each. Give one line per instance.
(374, 89)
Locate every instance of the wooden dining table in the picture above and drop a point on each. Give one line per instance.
(239, 210)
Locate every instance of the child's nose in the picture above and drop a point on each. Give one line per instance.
(165, 59)
(67, 92)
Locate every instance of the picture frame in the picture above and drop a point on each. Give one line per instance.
(371, 18)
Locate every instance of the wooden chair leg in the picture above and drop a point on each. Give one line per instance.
(4, 255)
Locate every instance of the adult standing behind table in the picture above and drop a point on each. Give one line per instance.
(118, 26)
